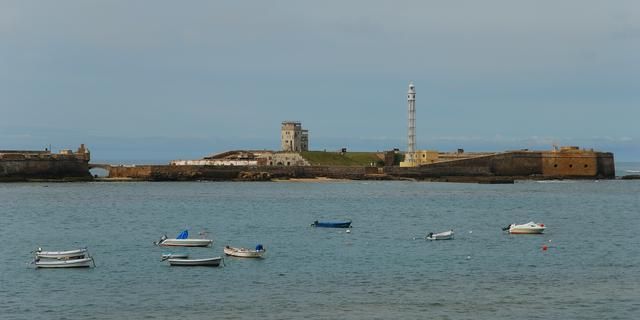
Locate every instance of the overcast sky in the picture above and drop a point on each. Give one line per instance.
(159, 80)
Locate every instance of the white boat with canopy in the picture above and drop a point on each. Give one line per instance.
(183, 240)
(446, 235)
(527, 228)
(258, 252)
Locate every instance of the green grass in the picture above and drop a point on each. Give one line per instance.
(322, 158)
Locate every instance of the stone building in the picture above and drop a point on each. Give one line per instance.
(293, 137)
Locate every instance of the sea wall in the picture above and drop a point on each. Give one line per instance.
(222, 173)
(487, 168)
(44, 169)
(519, 165)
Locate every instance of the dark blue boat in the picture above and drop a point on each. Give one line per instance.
(332, 224)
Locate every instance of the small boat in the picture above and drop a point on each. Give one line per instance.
(446, 235)
(208, 262)
(332, 224)
(245, 252)
(527, 228)
(62, 255)
(70, 263)
(166, 256)
(183, 240)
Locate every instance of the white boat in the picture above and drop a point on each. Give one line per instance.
(70, 263)
(185, 243)
(209, 262)
(446, 235)
(258, 252)
(527, 228)
(71, 254)
(166, 256)
(183, 240)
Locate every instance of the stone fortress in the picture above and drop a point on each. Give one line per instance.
(22, 165)
(294, 160)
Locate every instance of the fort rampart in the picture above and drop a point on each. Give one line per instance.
(59, 168)
(509, 165)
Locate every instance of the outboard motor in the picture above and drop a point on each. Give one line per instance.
(259, 247)
(163, 238)
(506, 228)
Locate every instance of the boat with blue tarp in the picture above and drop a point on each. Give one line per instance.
(332, 224)
(183, 240)
(245, 252)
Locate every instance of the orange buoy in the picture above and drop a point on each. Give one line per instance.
(544, 247)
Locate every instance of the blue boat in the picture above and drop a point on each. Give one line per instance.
(332, 224)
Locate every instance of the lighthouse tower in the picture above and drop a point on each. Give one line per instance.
(411, 145)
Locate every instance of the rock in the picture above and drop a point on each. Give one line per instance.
(254, 176)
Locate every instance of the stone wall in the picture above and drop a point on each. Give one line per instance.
(190, 173)
(519, 164)
(512, 165)
(606, 165)
(569, 164)
(59, 168)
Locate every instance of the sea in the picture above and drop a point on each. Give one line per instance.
(382, 269)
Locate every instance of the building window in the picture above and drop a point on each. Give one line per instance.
(586, 165)
(570, 166)
(555, 165)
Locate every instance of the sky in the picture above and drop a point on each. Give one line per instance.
(152, 81)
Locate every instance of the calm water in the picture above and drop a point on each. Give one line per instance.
(379, 271)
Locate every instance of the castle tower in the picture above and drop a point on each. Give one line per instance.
(411, 145)
(293, 137)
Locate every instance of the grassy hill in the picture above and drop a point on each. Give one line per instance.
(322, 158)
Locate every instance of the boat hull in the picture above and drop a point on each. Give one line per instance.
(527, 228)
(186, 243)
(243, 252)
(526, 231)
(209, 262)
(73, 263)
(447, 235)
(332, 224)
(71, 254)
(166, 256)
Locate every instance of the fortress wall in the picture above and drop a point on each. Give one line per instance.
(519, 163)
(26, 169)
(175, 173)
(559, 164)
(514, 165)
(529, 164)
(186, 173)
(439, 170)
(606, 165)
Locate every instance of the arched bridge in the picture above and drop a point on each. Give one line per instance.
(99, 166)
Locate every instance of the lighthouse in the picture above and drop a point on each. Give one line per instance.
(411, 137)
